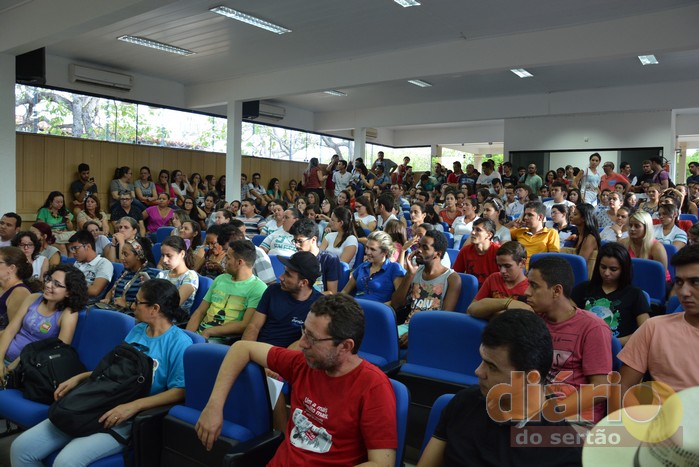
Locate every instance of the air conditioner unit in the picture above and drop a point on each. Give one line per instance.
(371, 133)
(97, 77)
(271, 112)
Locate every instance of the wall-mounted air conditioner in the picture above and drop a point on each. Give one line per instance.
(371, 133)
(97, 77)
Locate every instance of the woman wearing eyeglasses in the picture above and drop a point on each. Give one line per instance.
(17, 270)
(53, 313)
(30, 245)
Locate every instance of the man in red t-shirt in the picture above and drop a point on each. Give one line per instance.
(453, 178)
(343, 410)
(506, 288)
(478, 257)
(611, 178)
(582, 341)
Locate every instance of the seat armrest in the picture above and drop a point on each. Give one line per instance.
(257, 451)
(147, 435)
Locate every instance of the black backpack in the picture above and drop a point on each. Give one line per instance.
(124, 375)
(43, 366)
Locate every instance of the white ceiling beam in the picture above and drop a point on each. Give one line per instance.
(46, 22)
(669, 30)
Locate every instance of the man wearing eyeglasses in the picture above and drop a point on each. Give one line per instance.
(98, 270)
(281, 242)
(10, 225)
(306, 234)
(343, 410)
(125, 208)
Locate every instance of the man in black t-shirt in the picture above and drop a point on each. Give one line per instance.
(468, 434)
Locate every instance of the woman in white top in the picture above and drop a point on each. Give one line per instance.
(341, 240)
(588, 180)
(494, 209)
(463, 224)
(620, 229)
(668, 232)
(180, 185)
(274, 222)
(365, 214)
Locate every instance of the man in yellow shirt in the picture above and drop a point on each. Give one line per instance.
(533, 236)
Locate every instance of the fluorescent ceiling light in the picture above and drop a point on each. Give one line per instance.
(245, 18)
(335, 93)
(155, 45)
(419, 82)
(407, 3)
(648, 59)
(521, 72)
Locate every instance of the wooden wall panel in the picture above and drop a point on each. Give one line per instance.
(47, 163)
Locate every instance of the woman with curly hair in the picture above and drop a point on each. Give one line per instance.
(53, 313)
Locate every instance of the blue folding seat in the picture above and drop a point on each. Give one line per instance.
(578, 264)
(469, 289)
(162, 233)
(246, 425)
(380, 343)
(649, 275)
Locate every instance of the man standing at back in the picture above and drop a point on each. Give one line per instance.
(532, 179)
(10, 225)
(343, 410)
(611, 178)
(485, 180)
(83, 187)
(341, 177)
(660, 176)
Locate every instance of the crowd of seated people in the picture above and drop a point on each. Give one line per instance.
(392, 235)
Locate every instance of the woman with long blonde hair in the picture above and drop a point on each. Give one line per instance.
(642, 243)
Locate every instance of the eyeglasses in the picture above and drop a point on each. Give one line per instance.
(139, 302)
(73, 249)
(313, 340)
(26, 245)
(50, 280)
(300, 241)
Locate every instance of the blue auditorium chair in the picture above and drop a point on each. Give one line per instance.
(469, 289)
(162, 233)
(402, 405)
(435, 414)
(245, 425)
(98, 332)
(380, 343)
(258, 239)
(649, 275)
(578, 264)
(204, 285)
(450, 239)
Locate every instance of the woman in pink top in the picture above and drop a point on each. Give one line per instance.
(160, 214)
(642, 243)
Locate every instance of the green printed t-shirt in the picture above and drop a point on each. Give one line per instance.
(229, 299)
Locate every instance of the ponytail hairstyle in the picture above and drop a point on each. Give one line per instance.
(120, 171)
(46, 231)
(177, 243)
(163, 293)
(344, 215)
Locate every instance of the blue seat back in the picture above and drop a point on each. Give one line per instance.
(435, 414)
(258, 239)
(453, 253)
(469, 289)
(670, 250)
(201, 365)
(155, 249)
(163, 232)
(203, 236)
(402, 404)
(344, 276)
(649, 275)
(204, 286)
(464, 238)
(118, 270)
(359, 257)
(445, 340)
(673, 305)
(380, 343)
(196, 338)
(689, 217)
(103, 330)
(616, 348)
(578, 264)
(450, 239)
(445, 226)
(277, 266)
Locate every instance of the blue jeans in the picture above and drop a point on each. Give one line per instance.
(39, 442)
